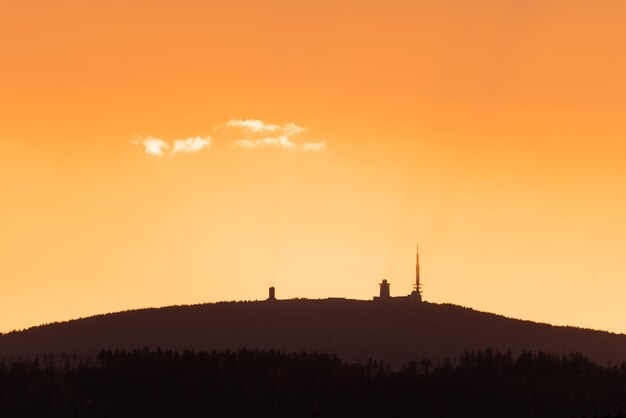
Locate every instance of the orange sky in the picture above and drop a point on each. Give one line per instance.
(494, 132)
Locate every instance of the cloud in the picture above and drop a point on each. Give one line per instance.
(259, 134)
(252, 125)
(153, 146)
(278, 142)
(292, 129)
(191, 145)
(246, 133)
(158, 147)
(259, 127)
(314, 146)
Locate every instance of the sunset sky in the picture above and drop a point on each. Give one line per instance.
(179, 152)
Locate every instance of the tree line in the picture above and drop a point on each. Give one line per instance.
(245, 383)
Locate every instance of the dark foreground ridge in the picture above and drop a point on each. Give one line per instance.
(356, 330)
(248, 383)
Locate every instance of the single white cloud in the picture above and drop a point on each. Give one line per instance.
(252, 125)
(191, 145)
(153, 146)
(157, 147)
(314, 146)
(277, 142)
(259, 127)
(291, 129)
(259, 134)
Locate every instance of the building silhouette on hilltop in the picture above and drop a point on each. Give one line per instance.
(415, 295)
(385, 289)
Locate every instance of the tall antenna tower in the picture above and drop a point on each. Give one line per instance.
(417, 285)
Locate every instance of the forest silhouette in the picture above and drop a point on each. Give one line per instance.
(245, 383)
(311, 358)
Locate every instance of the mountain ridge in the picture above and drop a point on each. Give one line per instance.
(394, 331)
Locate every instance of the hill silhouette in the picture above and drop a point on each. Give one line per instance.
(396, 332)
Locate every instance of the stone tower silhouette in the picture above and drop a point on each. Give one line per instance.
(384, 290)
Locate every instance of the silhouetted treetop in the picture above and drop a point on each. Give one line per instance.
(164, 383)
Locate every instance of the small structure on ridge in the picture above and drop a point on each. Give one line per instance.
(415, 295)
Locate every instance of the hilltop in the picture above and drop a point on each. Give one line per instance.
(396, 332)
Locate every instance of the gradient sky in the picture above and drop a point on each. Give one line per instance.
(493, 132)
